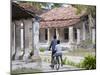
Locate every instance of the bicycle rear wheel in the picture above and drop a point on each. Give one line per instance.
(57, 65)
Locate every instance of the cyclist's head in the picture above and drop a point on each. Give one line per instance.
(58, 41)
(54, 37)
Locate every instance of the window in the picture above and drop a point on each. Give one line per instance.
(66, 31)
(75, 33)
(46, 34)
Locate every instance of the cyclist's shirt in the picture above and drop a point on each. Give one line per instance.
(53, 44)
(58, 48)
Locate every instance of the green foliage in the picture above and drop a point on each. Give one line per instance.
(64, 61)
(79, 65)
(80, 8)
(89, 62)
(56, 5)
(39, 5)
(42, 49)
(89, 9)
(70, 63)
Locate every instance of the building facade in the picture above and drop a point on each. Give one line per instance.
(28, 34)
(69, 27)
(23, 33)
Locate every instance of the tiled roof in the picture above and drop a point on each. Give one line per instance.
(55, 24)
(60, 17)
(60, 13)
(56, 17)
(30, 8)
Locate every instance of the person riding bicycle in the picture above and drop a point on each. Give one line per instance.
(58, 52)
(52, 45)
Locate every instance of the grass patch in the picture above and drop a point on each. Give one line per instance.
(77, 65)
(80, 52)
(68, 62)
(42, 49)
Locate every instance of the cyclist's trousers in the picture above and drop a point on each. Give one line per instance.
(59, 56)
(52, 57)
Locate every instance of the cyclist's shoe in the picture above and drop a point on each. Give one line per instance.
(52, 66)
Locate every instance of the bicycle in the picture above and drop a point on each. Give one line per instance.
(56, 62)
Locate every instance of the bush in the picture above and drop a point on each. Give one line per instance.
(89, 62)
(42, 49)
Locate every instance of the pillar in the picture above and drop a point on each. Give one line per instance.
(57, 33)
(71, 34)
(35, 37)
(48, 35)
(17, 40)
(27, 33)
(26, 38)
(13, 40)
(84, 31)
(22, 36)
(93, 35)
(78, 36)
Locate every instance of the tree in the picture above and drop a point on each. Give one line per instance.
(39, 5)
(91, 12)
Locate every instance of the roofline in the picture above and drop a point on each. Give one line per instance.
(58, 19)
(28, 12)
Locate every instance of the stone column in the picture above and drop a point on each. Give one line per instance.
(84, 31)
(13, 40)
(22, 36)
(26, 40)
(71, 34)
(17, 40)
(35, 36)
(78, 36)
(48, 35)
(57, 33)
(93, 35)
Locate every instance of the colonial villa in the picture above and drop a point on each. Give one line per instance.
(66, 25)
(62, 21)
